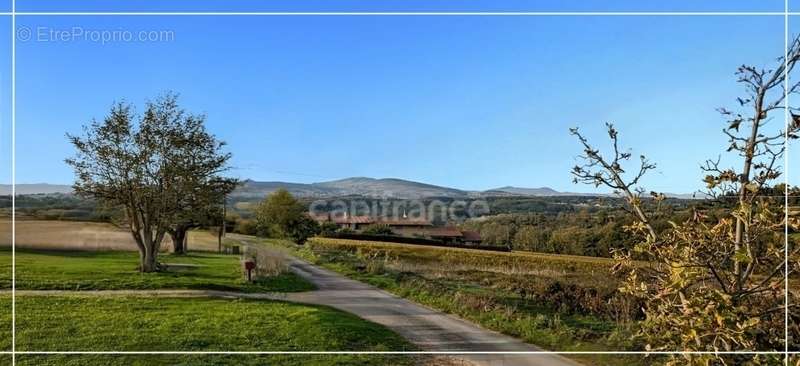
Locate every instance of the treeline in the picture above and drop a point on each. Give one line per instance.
(593, 226)
(591, 231)
(59, 206)
(579, 233)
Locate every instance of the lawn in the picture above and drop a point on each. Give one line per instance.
(5, 324)
(211, 360)
(82, 270)
(563, 303)
(77, 323)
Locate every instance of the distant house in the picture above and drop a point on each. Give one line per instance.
(407, 227)
(454, 235)
(471, 237)
(400, 227)
(352, 222)
(447, 234)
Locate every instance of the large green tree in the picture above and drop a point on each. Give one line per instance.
(200, 156)
(281, 215)
(147, 165)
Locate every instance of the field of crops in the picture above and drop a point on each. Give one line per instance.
(82, 235)
(443, 262)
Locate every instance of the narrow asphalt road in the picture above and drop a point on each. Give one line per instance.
(429, 329)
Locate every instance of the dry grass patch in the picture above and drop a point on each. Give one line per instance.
(68, 235)
(89, 236)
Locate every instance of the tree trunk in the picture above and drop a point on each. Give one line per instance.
(646, 222)
(219, 238)
(638, 210)
(148, 241)
(744, 180)
(151, 244)
(148, 260)
(179, 236)
(222, 227)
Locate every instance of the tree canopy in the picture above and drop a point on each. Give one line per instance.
(281, 215)
(158, 166)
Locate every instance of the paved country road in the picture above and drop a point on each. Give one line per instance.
(429, 329)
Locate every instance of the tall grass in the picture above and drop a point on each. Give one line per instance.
(270, 261)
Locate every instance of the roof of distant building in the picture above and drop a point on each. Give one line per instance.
(471, 235)
(370, 220)
(354, 220)
(416, 222)
(447, 231)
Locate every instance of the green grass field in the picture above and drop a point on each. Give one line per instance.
(76, 323)
(132, 323)
(62, 270)
(5, 324)
(210, 360)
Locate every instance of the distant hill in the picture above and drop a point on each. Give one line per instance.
(254, 189)
(357, 186)
(542, 191)
(390, 187)
(386, 188)
(36, 188)
(360, 186)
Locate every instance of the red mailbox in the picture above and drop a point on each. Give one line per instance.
(249, 266)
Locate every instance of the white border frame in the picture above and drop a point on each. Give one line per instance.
(13, 14)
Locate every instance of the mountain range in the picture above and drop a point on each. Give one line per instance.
(356, 186)
(370, 187)
(36, 188)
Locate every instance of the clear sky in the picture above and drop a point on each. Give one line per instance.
(5, 100)
(467, 102)
(399, 5)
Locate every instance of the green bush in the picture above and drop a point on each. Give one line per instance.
(345, 230)
(281, 215)
(246, 227)
(378, 229)
(300, 230)
(328, 229)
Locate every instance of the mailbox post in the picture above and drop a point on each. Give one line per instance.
(249, 266)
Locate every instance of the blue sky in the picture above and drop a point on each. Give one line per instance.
(400, 5)
(468, 102)
(5, 100)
